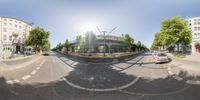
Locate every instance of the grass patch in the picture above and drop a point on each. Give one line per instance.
(178, 55)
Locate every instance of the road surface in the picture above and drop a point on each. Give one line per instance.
(58, 77)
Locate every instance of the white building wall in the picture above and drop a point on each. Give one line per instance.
(9, 27)
(1, 45)
(194, 25)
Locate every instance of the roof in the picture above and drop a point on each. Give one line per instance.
(14, 18)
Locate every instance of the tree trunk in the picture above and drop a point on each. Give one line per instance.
(178, 48)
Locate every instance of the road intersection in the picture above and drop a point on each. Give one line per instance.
(58, 77)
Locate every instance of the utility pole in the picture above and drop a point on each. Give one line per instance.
(109, 39)
(104, 48)
(104, 32)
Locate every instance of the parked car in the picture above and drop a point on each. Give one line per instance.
(154, 53)
(46, 53)
(161, 57)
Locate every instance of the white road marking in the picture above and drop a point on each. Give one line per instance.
(170, 72)
(115, 68)
(100, 90)
(193, 82)
(38, 68)
(42, 63)
(9, 82)
(33, 72)
(178, 78)
(169, 68)
(16, 80)
(26, 77)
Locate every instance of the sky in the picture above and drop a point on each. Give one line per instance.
(65, 19)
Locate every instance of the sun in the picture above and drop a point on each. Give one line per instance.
(85, 27)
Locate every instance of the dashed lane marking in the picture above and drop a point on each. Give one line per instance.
(170, 72)
(10, 82)
(42, 63)
(16, 81)
(33, 72)
(37, 68)
(26, 77)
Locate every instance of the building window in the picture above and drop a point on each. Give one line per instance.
(16, 25)
(10, 24)
(4, 37)
(10, 38)
(11, 20)
(5, 19)
(195, 28)
(5, 30)
(198, 28)
(5, 24)
(19, 38)
(195, 23)
(20, 27)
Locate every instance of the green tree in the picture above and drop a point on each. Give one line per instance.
(66, 45)
(38, 38)
(139, 45)
(174, 31)
(128, 41)
(59, 46)
(177, 30)
(46, 46)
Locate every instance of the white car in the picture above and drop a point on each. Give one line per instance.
(161, 57)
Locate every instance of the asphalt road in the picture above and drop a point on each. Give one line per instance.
(57, 77)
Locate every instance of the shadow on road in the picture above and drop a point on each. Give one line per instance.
(96, 76)
(143, 89)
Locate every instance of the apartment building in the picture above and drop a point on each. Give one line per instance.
(13, 33)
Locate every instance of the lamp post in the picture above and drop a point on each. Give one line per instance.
(104, 46)
(109, 39)
(104, 32)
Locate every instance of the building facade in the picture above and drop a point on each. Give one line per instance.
(194, 25)
(113, 43)
(13, 33)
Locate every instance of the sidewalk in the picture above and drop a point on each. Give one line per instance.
(193, 57)
(190, 66)
(17, 63)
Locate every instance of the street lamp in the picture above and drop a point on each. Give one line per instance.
(109, 39)
(104, 32)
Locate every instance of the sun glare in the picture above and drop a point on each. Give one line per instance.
(88, 27)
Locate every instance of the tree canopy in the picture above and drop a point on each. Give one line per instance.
(128, 40)
(174, 31)
(38, 38)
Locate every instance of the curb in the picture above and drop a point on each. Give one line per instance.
(102, 60)
(20, 58)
